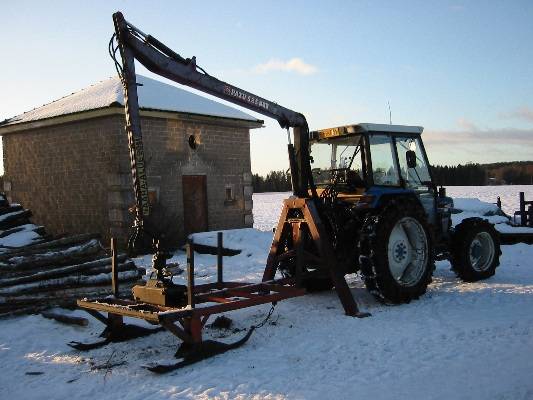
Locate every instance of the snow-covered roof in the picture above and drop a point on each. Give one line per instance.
(390, 128)
(367, 127)
(153, 95)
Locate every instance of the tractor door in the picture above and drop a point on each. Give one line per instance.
(414, 170)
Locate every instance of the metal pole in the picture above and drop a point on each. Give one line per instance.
(114, 267)
(219, 258)
(523, 216)
(190, 273)
(499, 202)
(530, 216)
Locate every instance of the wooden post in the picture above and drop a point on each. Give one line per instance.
(196, 329)
(115, 323)
(114, 267)
(499, 202)
(298, 243)
(190, 273)
(219, 258)
(523, 217)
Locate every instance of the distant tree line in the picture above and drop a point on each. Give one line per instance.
(504, 173)
(510, 173)
(517, 177)
(460, 175)
(275, 181)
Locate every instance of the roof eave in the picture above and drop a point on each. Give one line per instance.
(119, 110)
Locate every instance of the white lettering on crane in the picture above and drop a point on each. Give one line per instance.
(250, 99)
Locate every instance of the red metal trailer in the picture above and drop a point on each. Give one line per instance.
(182, 310)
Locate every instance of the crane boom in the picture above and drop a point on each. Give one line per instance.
(158, 58)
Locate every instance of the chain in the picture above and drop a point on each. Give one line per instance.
(264, 321)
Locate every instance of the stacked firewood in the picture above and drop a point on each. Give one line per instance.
(38, 271)
(15, 220)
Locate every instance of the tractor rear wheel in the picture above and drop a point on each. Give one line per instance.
(475, 250)
(396, 250)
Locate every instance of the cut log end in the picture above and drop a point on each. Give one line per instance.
(65, 319)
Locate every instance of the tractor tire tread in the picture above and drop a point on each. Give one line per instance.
(373, 251)
(463, 234)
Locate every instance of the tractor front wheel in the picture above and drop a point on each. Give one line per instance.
(475, 250)
(396, 253)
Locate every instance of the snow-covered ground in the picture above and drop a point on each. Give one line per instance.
(24, 237)
(508, 194)
(460, 341)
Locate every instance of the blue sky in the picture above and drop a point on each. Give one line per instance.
(463, 70)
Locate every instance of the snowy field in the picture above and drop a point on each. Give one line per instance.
(267, 206)
(460, 341)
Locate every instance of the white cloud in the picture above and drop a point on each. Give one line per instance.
(465, 124)
(478, 145)
(481, 137)
(524, 113)
(295, 64)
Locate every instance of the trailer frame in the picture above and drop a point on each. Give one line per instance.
(202, 301)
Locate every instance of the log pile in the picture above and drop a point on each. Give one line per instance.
(38, 271)
(15, 226)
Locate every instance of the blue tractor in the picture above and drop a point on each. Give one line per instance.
(384, 215)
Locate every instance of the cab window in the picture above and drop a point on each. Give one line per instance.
(337, 160)
(417, 177)
(384, 169)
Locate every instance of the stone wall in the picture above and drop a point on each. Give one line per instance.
(76, 176)
(60, 173)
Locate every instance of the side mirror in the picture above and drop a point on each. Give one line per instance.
(410, 157)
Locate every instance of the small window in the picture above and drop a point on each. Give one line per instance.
(229, 194)
(153, 196)
(193, 143)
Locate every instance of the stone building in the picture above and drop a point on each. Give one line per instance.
(68, 161)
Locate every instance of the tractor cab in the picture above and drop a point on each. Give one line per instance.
(365, 155)
(368, 161)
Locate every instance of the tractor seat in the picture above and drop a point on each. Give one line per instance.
(353, 180)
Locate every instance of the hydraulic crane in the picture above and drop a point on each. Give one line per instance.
(134, 44)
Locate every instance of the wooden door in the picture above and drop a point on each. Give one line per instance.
(194, 203)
